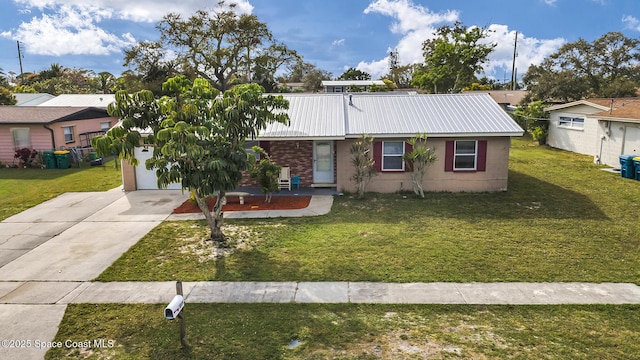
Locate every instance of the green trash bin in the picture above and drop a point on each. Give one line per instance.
(636, 162)
(93, 155)
(49, 159)
(62, 159)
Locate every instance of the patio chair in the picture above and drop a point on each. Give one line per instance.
(284, 180)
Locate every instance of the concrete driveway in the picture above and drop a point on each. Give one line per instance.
(50, 249)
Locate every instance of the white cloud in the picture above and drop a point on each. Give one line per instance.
(416, 24)
(631, 22)
(138, 10)
(339, 42)
(70, 30)
(64, 27)
(529, 51)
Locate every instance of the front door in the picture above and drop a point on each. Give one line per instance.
(323, 162)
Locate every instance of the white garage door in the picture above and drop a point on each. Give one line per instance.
(146, 179)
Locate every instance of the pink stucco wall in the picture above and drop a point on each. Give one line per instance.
(41, 137)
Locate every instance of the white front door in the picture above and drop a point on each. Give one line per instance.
(323, 162)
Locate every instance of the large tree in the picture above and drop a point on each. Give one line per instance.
(354, 74)
(453, 58)
(198, 135)
(6, 97)
(220, 46)
(306, 73)
(607, 67)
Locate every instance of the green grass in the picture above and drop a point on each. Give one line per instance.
(263, 331)
(21, 189)
(563, 219)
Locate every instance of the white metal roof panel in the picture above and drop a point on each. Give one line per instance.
(28, 99)
(82, 100)
(312, 116)
(436, 115)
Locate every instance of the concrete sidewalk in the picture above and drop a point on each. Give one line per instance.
(62, 293)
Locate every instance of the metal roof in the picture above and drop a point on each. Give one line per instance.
(82, 100)
(312, 116)
(331, 116)
(437, 115)
(31, 99)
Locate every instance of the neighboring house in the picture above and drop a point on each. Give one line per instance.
(602, 128)
(47, 128)
(293, 86)
(471, 135)
(30, 99)
(507, 99)
(340, 86)
(81, 100)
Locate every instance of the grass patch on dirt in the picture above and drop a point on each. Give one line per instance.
(563, 219)
(21, 189)
(349, 331)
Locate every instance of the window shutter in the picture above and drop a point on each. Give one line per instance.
(265, 145)
(448, 155)
(482, 156)
(377, 156)
(408, 165)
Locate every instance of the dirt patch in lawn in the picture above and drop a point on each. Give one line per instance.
(250, 203)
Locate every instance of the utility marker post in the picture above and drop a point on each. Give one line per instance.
(183, 328)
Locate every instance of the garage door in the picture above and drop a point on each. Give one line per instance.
(146, 179)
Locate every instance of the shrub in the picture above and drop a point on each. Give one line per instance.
(26, 157)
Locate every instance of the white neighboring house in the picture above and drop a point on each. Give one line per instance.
(340, 86)
(602, 128)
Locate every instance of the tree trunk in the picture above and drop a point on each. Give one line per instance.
(214, 218)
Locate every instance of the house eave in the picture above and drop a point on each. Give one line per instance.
(298, 138)
(441, 135)
(576, 103)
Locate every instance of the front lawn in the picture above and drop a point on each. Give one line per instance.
(563, 219)
(348, 331)
(21, 189)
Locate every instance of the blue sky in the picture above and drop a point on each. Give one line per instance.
(332, 34)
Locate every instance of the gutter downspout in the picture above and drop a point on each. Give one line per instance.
(53, 138)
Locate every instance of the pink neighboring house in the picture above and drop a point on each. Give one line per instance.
(49, 128)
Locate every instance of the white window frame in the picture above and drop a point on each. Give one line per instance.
(571, 122)
(105, 126)
(72, 137)
(384, 155)
(21, 138)
(457, 154)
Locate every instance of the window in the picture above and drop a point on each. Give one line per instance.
(571, 122)
(105, 126)
(68, 134)
(248, 147)
(392, 152)
(464, 157)
(21, 138)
